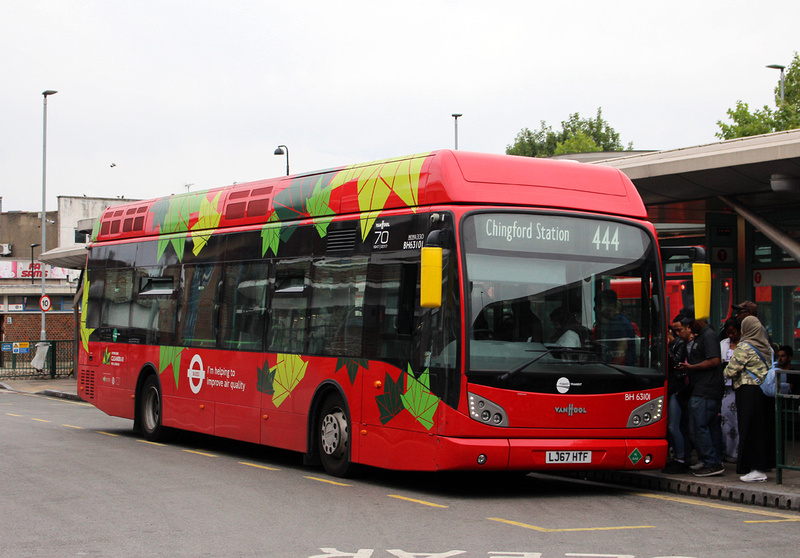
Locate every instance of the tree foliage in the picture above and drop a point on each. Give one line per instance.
(785, 115)
(577, 135)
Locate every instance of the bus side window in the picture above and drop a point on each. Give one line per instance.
(155, 310)
(198, 327)
(242, 311)
(391, 310)
(288, 307)
(117, 296)
(338, 286)
(94, 306)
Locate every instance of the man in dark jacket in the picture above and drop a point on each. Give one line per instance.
(705, 403)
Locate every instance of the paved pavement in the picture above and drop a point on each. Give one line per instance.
(726, 487)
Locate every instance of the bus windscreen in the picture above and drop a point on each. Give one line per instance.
(555, 295)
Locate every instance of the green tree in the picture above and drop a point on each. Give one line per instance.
(581, 142)
(785, 115)
(577, 135)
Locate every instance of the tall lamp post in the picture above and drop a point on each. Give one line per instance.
(45, 94)
(280, 151)
(32, 247)
(456, 116)
(781, 68)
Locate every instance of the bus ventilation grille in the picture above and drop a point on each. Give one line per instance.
(86, 387)
(343, 240)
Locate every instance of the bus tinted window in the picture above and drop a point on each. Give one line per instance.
(289, 306)
(198, 300)
(243, 305)
(156, 307)
(335, 314)
(117, 298)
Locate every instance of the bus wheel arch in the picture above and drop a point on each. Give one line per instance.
(149, 405)
(330, 431)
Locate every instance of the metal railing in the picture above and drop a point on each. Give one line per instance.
(787, 428)
(15, 363)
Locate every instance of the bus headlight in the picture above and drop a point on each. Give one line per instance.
(486, 412)
(647, 414)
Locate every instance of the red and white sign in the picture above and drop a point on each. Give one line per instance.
(28, 270)
(45, 303)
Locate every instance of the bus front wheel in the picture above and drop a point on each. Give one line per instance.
(151, 410)
(334, 437)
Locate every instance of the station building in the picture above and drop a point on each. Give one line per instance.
(740, 199)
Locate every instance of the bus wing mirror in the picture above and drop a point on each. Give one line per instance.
(430, 291)
(701, 278)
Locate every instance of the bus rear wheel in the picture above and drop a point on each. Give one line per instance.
(333, 432)
(150, 409)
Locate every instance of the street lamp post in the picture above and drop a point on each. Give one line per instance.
(456, 116)
(45, 94)
(32, 247)
(280, 151)
(781, 68)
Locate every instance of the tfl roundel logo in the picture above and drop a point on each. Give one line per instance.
(562, 385)
(196, 374)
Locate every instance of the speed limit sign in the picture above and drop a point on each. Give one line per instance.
(45, 303)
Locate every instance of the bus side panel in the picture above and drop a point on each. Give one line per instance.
(237, 422)
(114, 401)
(391, 448)
(188, 414)
(283, 430)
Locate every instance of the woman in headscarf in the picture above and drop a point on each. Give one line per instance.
(747, 369)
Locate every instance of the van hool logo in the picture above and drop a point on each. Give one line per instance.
(571, 410)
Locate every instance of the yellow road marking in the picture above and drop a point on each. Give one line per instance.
(545, 530)
(258, 466)
(423, 502)
(771, 521)
(200, 453)
(714, 505)
(106, 433)
(151, 443)
(40, 420)
(13, 415)
(72, 426)
(328, 481)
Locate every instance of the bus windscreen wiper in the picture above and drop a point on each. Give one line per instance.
(561, 350)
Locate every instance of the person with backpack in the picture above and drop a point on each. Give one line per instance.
(747, 369)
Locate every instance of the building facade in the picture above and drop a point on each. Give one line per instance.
(21, 269)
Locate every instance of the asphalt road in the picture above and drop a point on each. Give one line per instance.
(76, 482)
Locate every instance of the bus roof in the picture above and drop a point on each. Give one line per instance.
(435, 178)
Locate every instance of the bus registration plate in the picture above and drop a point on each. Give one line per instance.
(568, 457)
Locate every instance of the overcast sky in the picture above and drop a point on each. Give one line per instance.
(175, 93)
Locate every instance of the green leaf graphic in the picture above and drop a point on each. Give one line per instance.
(170, 356)
(265, 378)
(270, 236)
(207, 222)
(390, 402)
(86, 332)
(172, 215)
(288, 373)
(352, 365)
(419, 400)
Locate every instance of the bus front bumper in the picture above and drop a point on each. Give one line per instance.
(550, 454)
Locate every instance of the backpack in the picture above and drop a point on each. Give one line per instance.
(769, 383)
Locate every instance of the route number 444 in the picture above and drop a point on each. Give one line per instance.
(604, 240)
